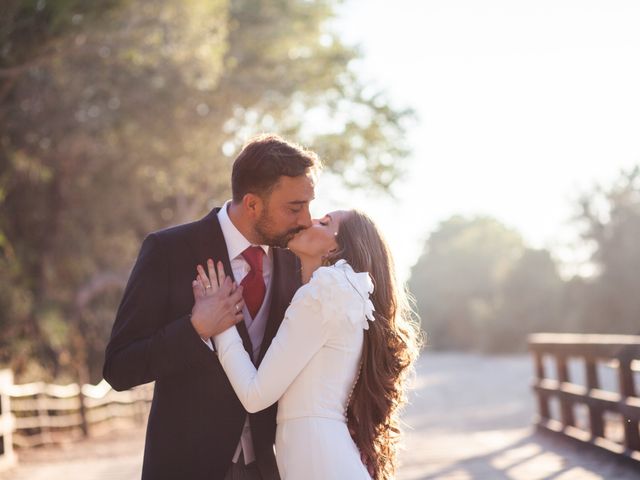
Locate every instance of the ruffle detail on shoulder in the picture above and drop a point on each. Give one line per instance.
(337, 290)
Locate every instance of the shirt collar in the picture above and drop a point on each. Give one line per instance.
(236, 241)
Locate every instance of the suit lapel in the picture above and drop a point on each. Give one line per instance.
(209, 243)
(286, 280)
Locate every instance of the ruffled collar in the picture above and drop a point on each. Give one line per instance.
(361, 282)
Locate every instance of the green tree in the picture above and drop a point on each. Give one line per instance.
(456, 279)
(530, 301)
(479, 288)
(119, 118)
(609, 302)
(87, 158)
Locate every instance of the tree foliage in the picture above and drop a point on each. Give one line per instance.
(610, 218)
(119, 117)
(479, 287)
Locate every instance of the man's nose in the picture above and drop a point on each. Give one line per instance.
(305, 218)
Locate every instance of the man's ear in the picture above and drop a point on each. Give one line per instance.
(253, 205)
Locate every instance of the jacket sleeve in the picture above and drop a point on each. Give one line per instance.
(145, 345)
(302, 333)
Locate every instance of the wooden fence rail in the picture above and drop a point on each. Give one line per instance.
(41, 414)
(7, 457)
(586, 409)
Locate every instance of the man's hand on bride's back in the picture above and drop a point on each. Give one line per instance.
(218, 301)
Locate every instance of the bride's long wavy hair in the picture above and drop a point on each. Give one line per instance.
(391, 344)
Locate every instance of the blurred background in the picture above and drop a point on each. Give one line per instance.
(496, 143)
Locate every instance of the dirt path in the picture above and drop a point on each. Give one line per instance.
(470, 418)
(114, 457)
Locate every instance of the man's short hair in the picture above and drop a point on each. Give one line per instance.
(264, 160)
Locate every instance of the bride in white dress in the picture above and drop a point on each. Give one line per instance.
(337, 365)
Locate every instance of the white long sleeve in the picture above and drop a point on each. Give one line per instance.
(301, 334)
(325, 314)
(309, 370)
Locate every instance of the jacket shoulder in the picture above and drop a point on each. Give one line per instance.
(175, 231)
(185, 230)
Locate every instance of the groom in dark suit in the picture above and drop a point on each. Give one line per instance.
(197, 427)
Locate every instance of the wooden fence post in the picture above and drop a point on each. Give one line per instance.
(139, 407)
(84, 425)
(7, 457)
(566, 407)
(43, 417)
(627, 389)
(543, 400)
(595, 411)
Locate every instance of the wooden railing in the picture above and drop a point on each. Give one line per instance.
(7, 457)
(45, 414)
(592, 381)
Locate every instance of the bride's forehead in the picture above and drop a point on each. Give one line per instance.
(336, 215)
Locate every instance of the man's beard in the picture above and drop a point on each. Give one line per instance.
(273, 239)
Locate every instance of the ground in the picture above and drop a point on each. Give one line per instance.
(470, 417)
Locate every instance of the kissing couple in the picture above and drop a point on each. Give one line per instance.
(261, 325)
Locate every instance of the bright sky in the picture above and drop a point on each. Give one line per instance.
(521, 104)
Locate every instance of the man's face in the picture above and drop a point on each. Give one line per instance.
(285, 211)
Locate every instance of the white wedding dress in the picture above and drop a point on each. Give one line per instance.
(309, 369)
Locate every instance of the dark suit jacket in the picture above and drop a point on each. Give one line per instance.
(196, 418)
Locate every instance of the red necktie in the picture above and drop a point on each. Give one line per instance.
(253, 283)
